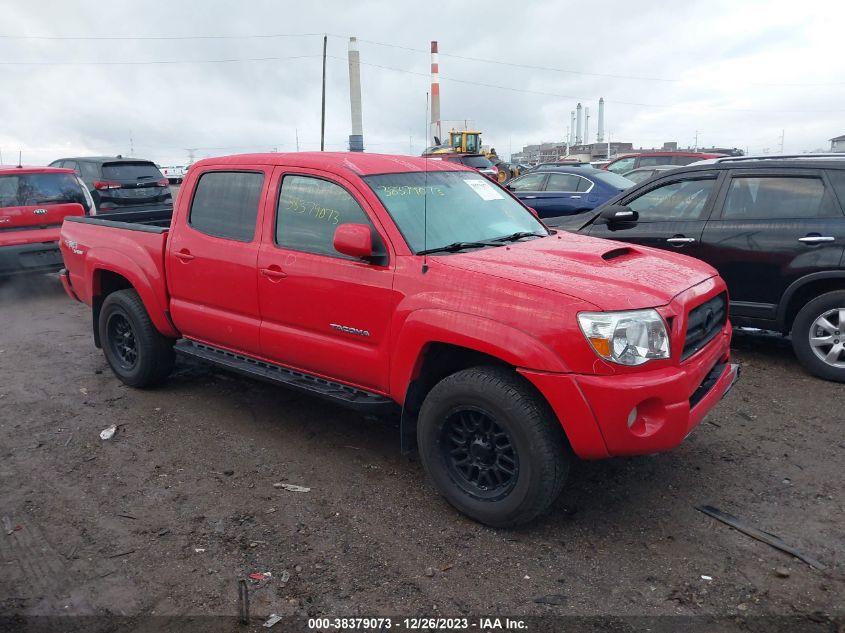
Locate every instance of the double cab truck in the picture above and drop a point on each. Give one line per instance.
(401, 284)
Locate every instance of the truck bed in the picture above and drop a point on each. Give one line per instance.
(152, 219)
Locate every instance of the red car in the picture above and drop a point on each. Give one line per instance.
(392, 283)
(33, 203)
(628, 162)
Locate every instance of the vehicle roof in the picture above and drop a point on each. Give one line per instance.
(574, 169)
(33, 169)
(824, 156)
(763, 163)
(654, 167)
(106, 159)
(668, 153)
(358, 163)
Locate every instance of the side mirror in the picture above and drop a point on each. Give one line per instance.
(618, 214)
(355, 240)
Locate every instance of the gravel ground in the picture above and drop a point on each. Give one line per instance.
(167, 516)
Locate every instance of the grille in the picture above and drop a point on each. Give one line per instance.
(704, 323)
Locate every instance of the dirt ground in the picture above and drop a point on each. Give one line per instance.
(167, 516)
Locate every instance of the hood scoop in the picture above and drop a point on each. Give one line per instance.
(617, 252)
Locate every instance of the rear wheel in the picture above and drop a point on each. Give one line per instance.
(818, 336)
(136, 351)
(492, 446)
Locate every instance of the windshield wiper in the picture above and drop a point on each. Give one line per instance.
(457, 246)
(513, 237)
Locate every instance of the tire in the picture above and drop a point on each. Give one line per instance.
(490, 418)
(136, 351)
(821, 359)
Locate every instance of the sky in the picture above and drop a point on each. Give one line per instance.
(167, 80)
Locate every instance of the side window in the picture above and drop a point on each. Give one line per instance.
(309, 211)
(562, 182)
(765, 198)
(225, 204)
(584, 185)
(89, 171)
(530, 182)
(623, 165)
(682, 200)
(651, 161)
(684, 160)
(837, 177)
(72, 164)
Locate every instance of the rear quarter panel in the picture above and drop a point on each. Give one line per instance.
(90, 249)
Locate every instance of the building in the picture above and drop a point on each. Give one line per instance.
(837, 144)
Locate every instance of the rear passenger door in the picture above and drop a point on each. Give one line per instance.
(211, 259)
(672, 213)
(772, 227)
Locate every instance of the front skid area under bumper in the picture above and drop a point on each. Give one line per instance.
(641, 413)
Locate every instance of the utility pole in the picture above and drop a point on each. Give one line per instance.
(410, 145)
(297, 139)
(782, 135)
(695, 149)
(323, 116)
(131, 144)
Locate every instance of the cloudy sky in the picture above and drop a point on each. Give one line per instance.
(226, 77)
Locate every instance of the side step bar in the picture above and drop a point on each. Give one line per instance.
(345, 395)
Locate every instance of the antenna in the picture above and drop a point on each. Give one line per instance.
(425, 197)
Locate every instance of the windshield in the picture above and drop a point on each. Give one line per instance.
(479, 162)
(30, 189)
(460, 207)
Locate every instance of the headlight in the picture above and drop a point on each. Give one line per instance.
(627, 338)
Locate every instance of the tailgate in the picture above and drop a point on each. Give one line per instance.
(34, 223)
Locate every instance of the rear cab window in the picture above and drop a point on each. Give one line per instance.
(225, 204)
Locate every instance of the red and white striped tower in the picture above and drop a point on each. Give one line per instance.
(435, 94)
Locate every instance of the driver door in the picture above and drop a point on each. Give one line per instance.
(672, 214)
(323, 312)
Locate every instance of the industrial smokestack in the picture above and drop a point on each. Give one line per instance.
(600, 135)
(356, 139)
(578, 124)
(587, 124)
(572, 127)
(435, 95)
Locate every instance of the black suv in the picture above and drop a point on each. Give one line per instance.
(116, 182)
(773, 228)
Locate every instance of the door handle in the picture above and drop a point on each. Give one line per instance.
(680, 240)
(184, 255)
(816, 239)
(575, 197)
(530, 197)
(274, 273)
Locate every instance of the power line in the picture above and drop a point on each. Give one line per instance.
(161, 61)
(582, 98)
(121, 38)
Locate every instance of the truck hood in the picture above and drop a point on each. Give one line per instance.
(610, 275)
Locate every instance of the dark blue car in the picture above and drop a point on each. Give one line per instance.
(559, 191)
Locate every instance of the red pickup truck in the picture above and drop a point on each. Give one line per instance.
(398, 283)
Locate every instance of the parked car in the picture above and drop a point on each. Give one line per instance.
(118, 183)
(648, 159)
(391, 283)
(33, 203)
(644, 173)
(174, 173)
(774, 229)
(478, 162)
(559, 191)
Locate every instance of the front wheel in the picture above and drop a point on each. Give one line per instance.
(136, 351)
(818, 336)
(492, 446)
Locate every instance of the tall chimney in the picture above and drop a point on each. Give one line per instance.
(587, 124)
(356, 139)
(572, 127)
(435, 95)
(600, 135)
(578, 124)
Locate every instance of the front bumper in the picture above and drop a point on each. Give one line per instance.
(639, 413)
(16, 259)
